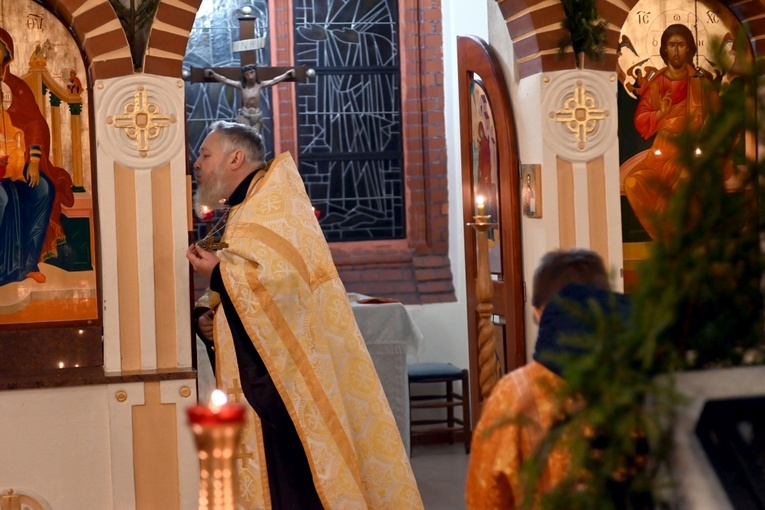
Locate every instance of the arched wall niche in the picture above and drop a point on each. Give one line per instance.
(535, 41)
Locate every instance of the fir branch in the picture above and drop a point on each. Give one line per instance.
(136, 22)
(586, 29)
(698, 304)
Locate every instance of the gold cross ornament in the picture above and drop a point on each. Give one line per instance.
(580, 113)
(141, 119)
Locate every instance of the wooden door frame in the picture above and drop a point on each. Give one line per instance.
(474, 56)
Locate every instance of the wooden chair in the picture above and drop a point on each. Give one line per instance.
(439, 426)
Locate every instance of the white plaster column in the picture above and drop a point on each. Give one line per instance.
(140, 134)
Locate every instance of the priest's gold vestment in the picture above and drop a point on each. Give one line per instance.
(278, 271)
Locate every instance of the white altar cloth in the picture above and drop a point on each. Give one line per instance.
(389, 334)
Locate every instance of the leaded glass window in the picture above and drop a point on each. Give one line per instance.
(349, 116)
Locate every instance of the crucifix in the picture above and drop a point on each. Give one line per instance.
(250, 79)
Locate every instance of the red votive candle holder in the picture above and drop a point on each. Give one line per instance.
(216, 415)
(217, 429)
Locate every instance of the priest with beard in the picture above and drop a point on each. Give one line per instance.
(319, 430)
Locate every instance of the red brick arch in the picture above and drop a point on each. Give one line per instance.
(169, 37)
(536, 46)
(106, 50)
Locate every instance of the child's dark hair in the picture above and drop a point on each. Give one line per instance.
(560, 267)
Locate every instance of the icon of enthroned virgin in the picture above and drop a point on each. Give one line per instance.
(32, 189)
(47, 246)
(665, 67)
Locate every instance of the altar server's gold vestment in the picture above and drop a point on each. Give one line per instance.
(526, 399)
(278, 271)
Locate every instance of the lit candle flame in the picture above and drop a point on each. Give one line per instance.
(217, 400)
(480, 202)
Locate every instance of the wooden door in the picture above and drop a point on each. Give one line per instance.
(490, 167)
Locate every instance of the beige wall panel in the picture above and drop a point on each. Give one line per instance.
(596, 196)
(182, 394)
(566, 211)
(155, 452)
(127, 268)
(164, 279)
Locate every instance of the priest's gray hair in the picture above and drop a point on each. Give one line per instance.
(240, 136)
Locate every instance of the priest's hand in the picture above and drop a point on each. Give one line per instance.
(205, 324)
(201, 260)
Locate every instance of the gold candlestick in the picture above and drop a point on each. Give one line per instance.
(217, 430)
(488, 369)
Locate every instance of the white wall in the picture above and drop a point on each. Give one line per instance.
(56, 443)
(444, 325)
